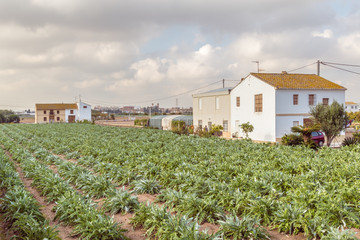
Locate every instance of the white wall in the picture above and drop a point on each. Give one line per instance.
(209, 113)
(84, 112)
(284, 99)
(352, 108)
(287, 113)
(67, 113)
(263, 122)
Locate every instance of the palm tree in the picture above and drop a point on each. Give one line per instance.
(306, 131)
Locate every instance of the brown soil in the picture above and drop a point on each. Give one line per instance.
(143, 198)
(209, 227)
(27, 119)
(136, 234)
(276, 235)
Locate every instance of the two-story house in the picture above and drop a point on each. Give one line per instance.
(274, 102)
(62, 112)
(212, 107)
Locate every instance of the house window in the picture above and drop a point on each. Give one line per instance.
(295, 123)
(352, 107)
(258, 103)
(45, 119)
(58, 112)
(311, 99)
(44, 111)
(237, 101)
(295, 99)
(85, 107)
(325, 101)
(200, 103)
(200, 123)
(57, 118)
(71, 111)
(225, 125)
(217, 102)
(209, 125)
(51, 112)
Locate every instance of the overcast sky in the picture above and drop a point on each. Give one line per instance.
(118, 52)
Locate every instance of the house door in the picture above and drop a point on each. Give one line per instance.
(51, 118)
(71, 119)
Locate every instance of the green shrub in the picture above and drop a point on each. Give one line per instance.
(340, 234)
(356, 135)
(141, 122)
(120, 201)
(350, 141)
(146, 186)
(292, 140)
(245, 228)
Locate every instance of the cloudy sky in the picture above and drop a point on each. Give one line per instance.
(138, 52)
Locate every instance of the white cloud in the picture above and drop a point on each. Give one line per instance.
(327, 33)
(350, 44)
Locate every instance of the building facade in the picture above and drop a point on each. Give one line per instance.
(273, 103)
(352, 107)
(212, 107)
(62, 112)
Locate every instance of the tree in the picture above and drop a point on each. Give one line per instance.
(2, 118)
(247, 128)
(13, 118)
(332, 119)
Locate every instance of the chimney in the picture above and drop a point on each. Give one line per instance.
(284, 72)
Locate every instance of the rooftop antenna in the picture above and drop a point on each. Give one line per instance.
(258, 67)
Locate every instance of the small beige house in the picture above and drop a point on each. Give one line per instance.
(55, 112)
(212, 107)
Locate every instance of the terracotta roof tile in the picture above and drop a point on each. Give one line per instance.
(56, 106)
(297, 81)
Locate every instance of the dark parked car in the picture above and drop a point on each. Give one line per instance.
(318, 138)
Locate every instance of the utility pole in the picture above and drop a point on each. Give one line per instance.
(318, 67)
(223, 83)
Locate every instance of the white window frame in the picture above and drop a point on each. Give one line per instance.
(296, 123)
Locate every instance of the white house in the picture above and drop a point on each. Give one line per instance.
(352, 107)
(274, 102)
